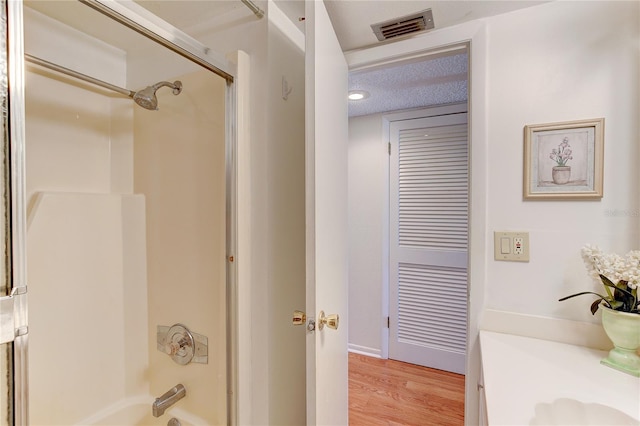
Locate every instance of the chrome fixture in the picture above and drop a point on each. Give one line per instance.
(163, 33)
(182, 345)
(146, 97)
(174, 422)
(255, 9)
(169, 398)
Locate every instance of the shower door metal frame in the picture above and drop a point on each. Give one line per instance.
(149, 25)
(18, 208)
(170, 37)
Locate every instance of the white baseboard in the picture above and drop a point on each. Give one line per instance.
(364, 350)
(546, 328)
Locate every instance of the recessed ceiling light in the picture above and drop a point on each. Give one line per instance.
(356, 95)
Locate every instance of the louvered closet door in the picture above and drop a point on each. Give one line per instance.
(429, 177)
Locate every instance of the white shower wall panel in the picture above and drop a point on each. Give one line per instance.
(69, 139)
(56, 42)
(79, 137)
(179, 160)
(87, 304)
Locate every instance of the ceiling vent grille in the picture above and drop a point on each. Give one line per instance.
(409, 24)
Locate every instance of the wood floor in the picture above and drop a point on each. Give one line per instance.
(392, 393)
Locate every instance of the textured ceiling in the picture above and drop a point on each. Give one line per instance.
(430, 82)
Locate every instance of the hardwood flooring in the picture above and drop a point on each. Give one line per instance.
(385, 392)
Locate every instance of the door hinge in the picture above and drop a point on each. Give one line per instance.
(388, 322)
(389, 147)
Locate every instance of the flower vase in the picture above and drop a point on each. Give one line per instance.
(561, 174)
(623, 328)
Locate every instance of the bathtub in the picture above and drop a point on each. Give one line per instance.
(137, 411)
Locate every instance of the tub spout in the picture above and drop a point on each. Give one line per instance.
(169, 398)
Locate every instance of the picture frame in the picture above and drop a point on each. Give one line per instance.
(564, 161)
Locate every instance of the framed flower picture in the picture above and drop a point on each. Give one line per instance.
(564, 160)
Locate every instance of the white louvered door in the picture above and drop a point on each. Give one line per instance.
(429, 177)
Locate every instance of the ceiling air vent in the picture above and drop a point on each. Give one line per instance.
(404, 25)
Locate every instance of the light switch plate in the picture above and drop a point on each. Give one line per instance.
(518, 243)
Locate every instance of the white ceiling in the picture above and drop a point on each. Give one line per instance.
(352, 19)
(407, 86)
(433, 81)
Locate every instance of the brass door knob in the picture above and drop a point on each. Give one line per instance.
(299, 318)
(331, 321)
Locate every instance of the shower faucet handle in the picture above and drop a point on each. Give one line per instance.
(174, 347)
(182, 345)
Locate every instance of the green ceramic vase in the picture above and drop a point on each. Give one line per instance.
(623, 328)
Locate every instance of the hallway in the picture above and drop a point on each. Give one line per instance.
(384, 392)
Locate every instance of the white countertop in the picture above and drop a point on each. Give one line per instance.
(531, 381)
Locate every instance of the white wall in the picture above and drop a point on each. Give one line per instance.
(367, 185)
(558, 61)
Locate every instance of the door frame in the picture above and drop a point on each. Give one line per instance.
(474, 35)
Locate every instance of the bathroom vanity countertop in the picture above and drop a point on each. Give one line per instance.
(531, 381)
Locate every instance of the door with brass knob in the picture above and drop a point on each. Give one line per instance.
(326, 176)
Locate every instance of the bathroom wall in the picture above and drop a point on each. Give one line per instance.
(179, 165)
(562, 61)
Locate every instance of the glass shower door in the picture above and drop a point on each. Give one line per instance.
(126, 228)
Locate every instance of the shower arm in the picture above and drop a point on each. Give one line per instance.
(176, 87)
(59, 68)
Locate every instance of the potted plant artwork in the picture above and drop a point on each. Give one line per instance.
(561, 173)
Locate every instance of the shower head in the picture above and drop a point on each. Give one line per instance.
(146, 97)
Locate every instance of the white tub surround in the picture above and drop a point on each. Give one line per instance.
(136, 410)
(529, 381)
